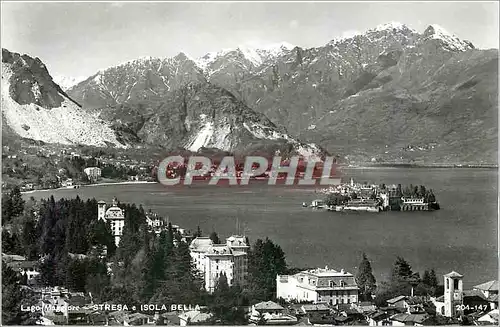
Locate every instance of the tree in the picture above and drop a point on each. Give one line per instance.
(225, 303)
(30, 238)
(431, 197)
(12, 205)
(401, 271)
(365, 279)
(215, 238)
(399, 192)
(266, 260)
(76, 275)
(429, 283)
(13, 296)
(9, 242)
(422, 191)
(17, 202)
(198, 232)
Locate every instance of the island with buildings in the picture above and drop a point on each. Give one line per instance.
(367, 197)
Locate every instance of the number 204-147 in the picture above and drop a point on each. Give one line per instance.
(463, 307)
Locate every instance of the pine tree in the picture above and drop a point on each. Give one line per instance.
(433, 280)
(365, 279)
(30, 238)
(17, 202)
(215, 238)
(6, 208)
(401, 271)
(198, 232)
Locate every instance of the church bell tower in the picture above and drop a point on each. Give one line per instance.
(453, 293)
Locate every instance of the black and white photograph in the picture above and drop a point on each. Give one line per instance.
(270, 163)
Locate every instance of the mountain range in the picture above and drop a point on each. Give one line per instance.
(391, 94)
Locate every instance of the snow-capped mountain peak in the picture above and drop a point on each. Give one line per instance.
(391, 26)
(66, 82)
(255, 55)
(437, 32)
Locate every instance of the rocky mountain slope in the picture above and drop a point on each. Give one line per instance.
(34, 107)
(389, 94)
(202, 115)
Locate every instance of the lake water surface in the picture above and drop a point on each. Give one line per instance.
(462, 236)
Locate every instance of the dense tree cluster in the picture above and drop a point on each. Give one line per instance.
(335, 199)
(403, 280)
(419, 192)
(266, 260)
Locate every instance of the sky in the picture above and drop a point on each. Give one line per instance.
(79, 38)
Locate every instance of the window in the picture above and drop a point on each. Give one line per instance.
(348, 300)
(455, 284)
(447, 284)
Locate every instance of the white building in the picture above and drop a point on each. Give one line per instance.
(154, 221)
(67, 183)
(115, 215)
(93, 173)
(26, 268)
(409, 200)
(213, 260)
(318, 285)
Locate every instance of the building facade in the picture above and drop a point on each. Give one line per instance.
(213, 260)
(115, 215)
(318, 285)
(93, 173)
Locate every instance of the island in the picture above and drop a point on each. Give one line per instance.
(375, 198)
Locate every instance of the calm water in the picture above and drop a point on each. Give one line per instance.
(462, 236)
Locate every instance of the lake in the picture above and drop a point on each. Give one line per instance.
(462, 236)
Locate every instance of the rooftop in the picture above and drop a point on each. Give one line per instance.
(408, 318)
(201, 244)
(488, 286)
(396, 299)
(269, 305)
(326, 272)
(454, 274)
(315, 307)
(219, 249)
(195, 316)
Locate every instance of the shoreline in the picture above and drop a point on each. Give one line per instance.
(118, 183)
(89, 185)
